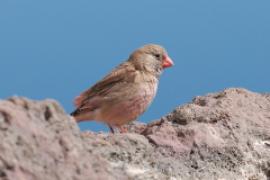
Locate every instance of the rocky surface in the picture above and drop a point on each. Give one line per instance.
(223, 135)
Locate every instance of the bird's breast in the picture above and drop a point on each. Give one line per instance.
(132, 104)
(138, 102)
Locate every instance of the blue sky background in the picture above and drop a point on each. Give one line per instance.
(56, 49)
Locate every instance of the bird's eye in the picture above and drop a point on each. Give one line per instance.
(157, 56)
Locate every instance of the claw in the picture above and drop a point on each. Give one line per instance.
(123, 129)
(120, 128)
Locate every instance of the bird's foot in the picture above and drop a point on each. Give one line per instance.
(120, 129)
(123, 129)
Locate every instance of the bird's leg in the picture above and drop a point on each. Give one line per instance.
(123, 129)
(120, 128)
(111, 128)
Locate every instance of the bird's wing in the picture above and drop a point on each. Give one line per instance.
(124, 73)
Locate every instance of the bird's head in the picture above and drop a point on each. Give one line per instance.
(151, 58)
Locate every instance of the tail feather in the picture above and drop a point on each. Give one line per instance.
(74, 113)
(82, 115)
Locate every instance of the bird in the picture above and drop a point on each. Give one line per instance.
(125, 93)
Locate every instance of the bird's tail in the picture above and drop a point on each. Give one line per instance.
(82, 115)
(76, 115)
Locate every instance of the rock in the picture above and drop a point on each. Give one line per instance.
(223, 135)
(39, 141)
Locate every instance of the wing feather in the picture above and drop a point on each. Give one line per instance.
(124, 73)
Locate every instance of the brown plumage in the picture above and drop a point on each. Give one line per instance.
(125, 93)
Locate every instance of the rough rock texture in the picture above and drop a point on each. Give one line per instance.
(222, 135)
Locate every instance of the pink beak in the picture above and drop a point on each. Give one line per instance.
(167, 62)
